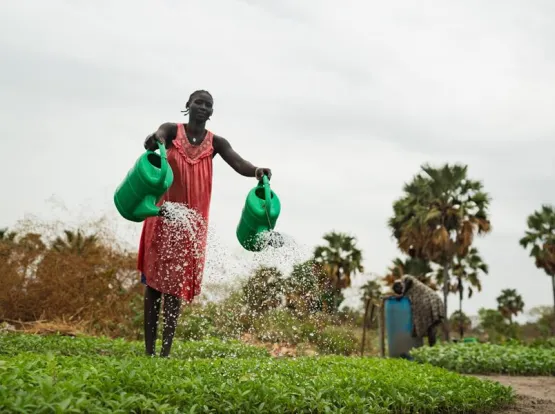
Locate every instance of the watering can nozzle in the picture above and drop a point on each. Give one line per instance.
(273, 239)
(276, 241)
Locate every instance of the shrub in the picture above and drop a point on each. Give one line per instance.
(337, 340)
(195, 324)
(264, 289)
(231, 318)
(281, 326)
(75, 278)
(543, 343)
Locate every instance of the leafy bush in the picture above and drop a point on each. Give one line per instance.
(337, 340)
(306, 288)
(489, 359)
(264, 289)
(228, 319)
(87, 382)
(195, 324)
(281, 326)
(543, 343)
(494, 324)
(231, 319)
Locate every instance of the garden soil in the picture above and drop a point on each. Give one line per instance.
(535, 394)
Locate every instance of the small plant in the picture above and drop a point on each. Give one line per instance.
(74, 375)
(15, 344)
(489, 359)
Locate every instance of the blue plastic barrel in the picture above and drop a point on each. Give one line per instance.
(398, 327)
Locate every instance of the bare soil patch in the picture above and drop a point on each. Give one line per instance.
(535, 394)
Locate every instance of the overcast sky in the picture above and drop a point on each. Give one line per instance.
(344, 101)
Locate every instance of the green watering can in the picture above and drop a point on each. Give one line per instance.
(259, 215)
(148, 180)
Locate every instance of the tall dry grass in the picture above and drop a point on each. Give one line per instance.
(75, 276)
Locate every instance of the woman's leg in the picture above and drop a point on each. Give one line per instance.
(432, 332)
(152, 302)
(172, 307)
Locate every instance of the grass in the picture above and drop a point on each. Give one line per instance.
(57, 374)
(490, 359)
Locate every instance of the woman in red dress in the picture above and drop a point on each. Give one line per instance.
(172, 261)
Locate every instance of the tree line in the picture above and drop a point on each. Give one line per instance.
(434, 224)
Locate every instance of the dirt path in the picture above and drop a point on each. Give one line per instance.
(535, 394)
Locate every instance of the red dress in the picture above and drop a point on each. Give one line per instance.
(172, 261)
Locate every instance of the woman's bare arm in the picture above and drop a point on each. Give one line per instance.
(235, 161)
(166, 133)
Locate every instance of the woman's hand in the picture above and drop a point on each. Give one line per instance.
(261, 172)
(151, 142)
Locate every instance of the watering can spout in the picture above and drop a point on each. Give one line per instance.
(274, 239)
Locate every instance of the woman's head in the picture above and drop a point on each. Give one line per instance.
(199, 107)
(398, 287)
(403, 285)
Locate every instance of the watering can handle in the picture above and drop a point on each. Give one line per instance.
(163, 163)
(267, 193)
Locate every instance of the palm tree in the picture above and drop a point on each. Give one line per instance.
(413, 266)
(467, 270)
(541, 236)
(341, 260)
(510, 304)
(460, 318)
(370, 290)
(438, 217)
(75, 242)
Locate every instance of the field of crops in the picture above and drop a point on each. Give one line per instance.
(490, 359)
(64, 374)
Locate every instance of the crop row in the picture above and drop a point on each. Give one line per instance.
(73, 375)
(489, 359)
